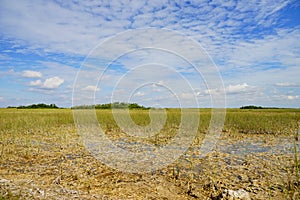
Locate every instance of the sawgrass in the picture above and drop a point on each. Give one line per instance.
(249, 121)
(43, 144)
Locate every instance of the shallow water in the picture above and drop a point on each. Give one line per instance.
(241, 147)
(252, 146)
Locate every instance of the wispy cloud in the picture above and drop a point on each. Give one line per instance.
(83, 24)
(5, 57)
(91, 88)
(286, 84)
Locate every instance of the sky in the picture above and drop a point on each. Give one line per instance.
(79, 52)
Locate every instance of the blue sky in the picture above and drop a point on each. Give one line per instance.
(254, 44)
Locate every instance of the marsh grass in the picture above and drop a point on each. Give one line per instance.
(292, 186)
(42, 145)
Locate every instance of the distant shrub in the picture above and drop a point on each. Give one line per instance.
(251, 107)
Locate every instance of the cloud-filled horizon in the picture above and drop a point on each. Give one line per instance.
(254, 44)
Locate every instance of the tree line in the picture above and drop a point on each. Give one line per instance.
(117, 105)
(257, 107)
(40, 105)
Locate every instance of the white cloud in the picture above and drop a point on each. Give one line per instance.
(234, 89)
(1, 98)
(36, 83)
(271, 51)
(31, 74)
(293, 97)
(230, 89)
(91, 88)
(49, 83)
(52, 83)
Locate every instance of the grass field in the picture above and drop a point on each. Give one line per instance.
(43, 157)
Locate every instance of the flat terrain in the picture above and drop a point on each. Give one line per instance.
(43, 157)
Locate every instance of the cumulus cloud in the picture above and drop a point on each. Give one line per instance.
(49, 83)
(52, 83)
(31, 74)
